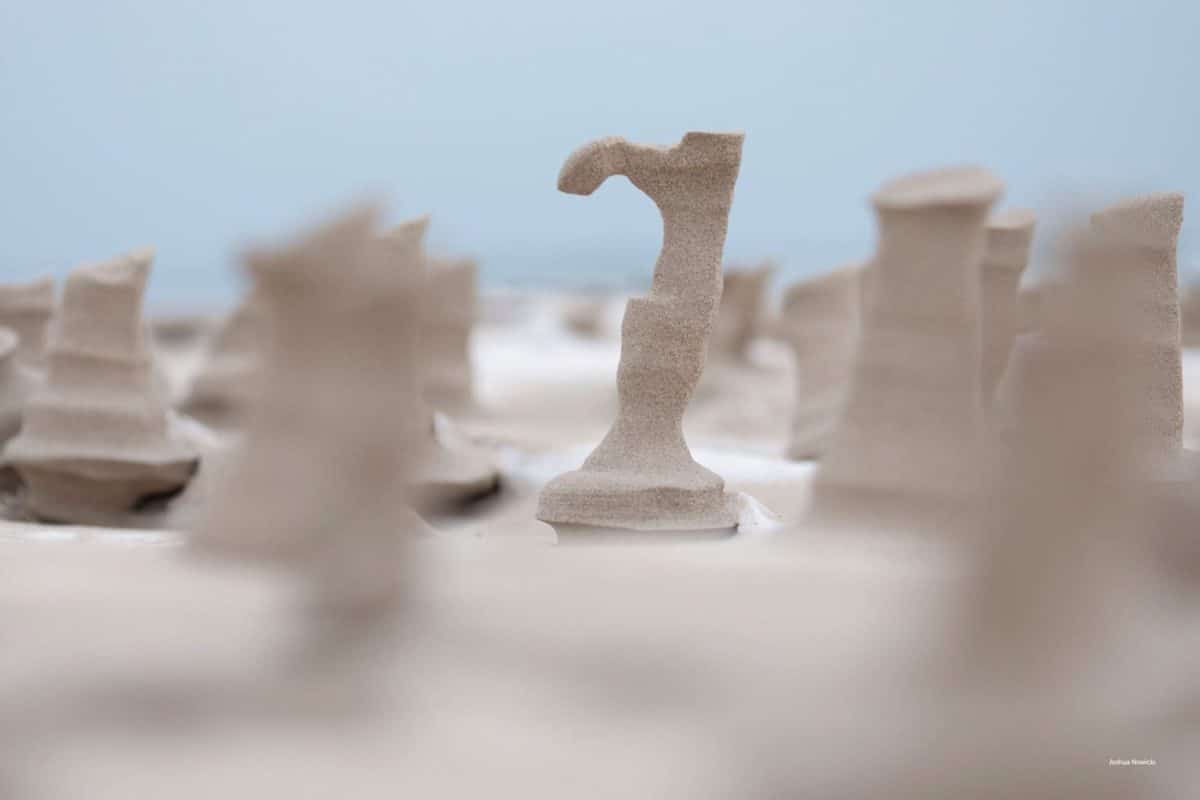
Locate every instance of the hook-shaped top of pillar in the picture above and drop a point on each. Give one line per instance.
(948, 187)
(658, 171)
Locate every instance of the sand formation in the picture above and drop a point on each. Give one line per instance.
(740, 313)
(451, 288)
(1136, 251)
(219, 393)
(1127, 269)
(97, 439)
(820, 320)
(1064, 546)
(333, 414)
(1005, 256)
(1190, 312)
(26, 308)
(17, 382)
(452, 470)
(642, 475)
(907, 443)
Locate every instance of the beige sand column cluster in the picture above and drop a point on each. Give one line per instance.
(642, 475)
(26, 308)
(820, 320)
(96, 438)
(740, 313)
(908, 440)
(1006, 254)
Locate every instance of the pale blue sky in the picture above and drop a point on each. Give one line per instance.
(200, 125)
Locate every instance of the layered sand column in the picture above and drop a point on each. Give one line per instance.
(450, 313)
(820, 320)
(1006, 254)
(96, 438)
(642, 475)
(26, 308)
(1136, 243)
(908, 438)
(17, 383)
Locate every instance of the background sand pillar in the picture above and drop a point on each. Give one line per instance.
(642, 475)
(27, 308)
(909, 434)
(1006, 254)
(1138, 237)
(820, 319)
(740, 312)
(451, 289)
(96, 437)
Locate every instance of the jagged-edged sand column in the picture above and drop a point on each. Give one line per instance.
(452, 469)
(449, 316)
(220, 392)
(320, 480)
(642, 475)
(1005, 256)
(26, 308)
(17, 383)
(740, 312)
(820, 319)
(908, 440)
(1136, 249)
(96, 437)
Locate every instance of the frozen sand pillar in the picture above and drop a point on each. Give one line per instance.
(319, 483)
(449, 317)
(221, 391)
(1138, 238)
(96, 437)
(1005, 256)
(1065, 551)
(740, 312)
(26, 308)
(16, 385)
(820, 320)
(908, 438)
(642, 476)
(453, 471)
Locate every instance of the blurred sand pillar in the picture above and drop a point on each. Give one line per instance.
(449, 316)
(740, 312)
(1139, 237)
(1006, 254)
(642, 475)
(26, 308)
(820, 319)
(908, 438)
